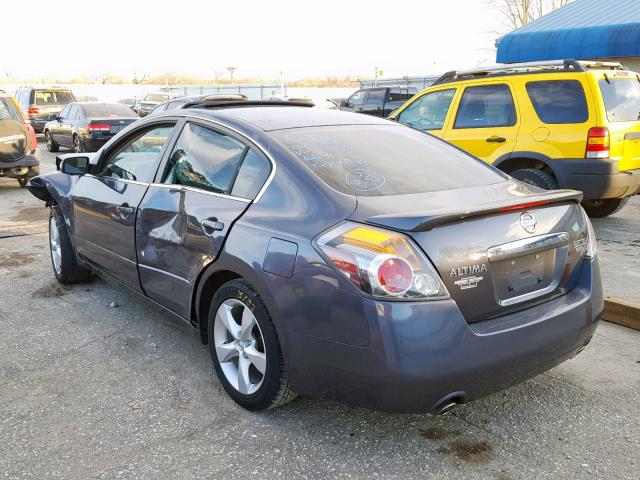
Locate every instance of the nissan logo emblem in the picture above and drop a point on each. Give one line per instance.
(528, 222)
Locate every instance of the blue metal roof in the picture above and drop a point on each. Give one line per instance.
(583, 29)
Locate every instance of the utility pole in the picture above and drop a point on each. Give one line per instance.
(375, 78)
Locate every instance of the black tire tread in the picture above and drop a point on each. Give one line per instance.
(609, 207)
(70, 272)
(542, 178)
(54, 146)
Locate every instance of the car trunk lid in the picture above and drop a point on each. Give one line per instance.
(513, 249)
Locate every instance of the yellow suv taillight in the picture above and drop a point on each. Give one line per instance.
(598, 143)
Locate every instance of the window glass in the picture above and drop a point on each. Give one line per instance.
(429, 111)
(73, 113)
(559, 101)
(621, 99)
(65, 112)
(253, 172)
(376, 97)
(44, 97)
(357, 98)
(203, 158)
(379, 160)
(107, 110)
(399, 95)
(486, 106)
(137, 158)
(8, 110)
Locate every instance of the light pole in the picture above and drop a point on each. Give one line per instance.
(231, 70)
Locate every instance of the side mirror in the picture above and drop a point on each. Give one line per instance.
(53, 116)
(73, 165)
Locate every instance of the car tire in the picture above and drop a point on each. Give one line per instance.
(52, 146)
(604, 207)
(535, 177)
(78, 146)
(243, 341)
(63, 256)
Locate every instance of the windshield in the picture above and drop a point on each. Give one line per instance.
(157, 97)
(113, 110)
(380, 160)
(621, 99)
(44, 97)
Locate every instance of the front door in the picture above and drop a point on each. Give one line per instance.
(106, 203)
(209, 180)
(485, 124)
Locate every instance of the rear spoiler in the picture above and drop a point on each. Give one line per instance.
(423, 221)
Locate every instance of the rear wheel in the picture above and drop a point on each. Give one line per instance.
(52, 146)
(245, 349)
(63, 256)
(603, 207)
(538, 178)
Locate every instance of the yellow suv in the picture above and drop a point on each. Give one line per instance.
(555, 124)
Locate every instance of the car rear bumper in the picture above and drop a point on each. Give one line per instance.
(94, 144)
(38, 124)
(423, 352)
(596, 178)
(28, 165)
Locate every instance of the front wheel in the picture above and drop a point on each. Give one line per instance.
(245, 349)
(63, 256)
(78, 146)
(604, 207)
(52, 146)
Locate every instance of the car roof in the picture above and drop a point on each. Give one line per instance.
(280, 117)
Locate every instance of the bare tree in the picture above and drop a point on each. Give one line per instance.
(522, 12)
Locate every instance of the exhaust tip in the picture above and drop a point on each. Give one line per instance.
(449, 402)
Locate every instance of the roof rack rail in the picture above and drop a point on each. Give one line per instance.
(526, 67)
(216, 103)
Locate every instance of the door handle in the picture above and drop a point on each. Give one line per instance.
(125, 210)
(496, 139)
(211, 225)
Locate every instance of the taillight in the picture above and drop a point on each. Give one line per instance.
(32, 136)
(592, 241)
(99, 127)
(33, 111)
(382, 263)
(598, 143)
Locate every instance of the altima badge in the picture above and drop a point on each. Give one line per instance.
(528, 222)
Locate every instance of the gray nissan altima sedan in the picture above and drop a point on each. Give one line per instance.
(331, 254)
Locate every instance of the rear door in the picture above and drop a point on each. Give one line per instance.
(374, 104)
(106, 202)
(209, 180)
(485, 123)
(55, 127)
(621, 98)
(65, 134)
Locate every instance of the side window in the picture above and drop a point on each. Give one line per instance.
(399, 95)
(486, 106)
(204, 158)
(559, 101)
(429, 111)
(136, 159)
(253, 172)
(376, 97)
(357, 98)
(73, 113)
(65, 112)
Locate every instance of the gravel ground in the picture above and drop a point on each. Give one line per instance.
(92, 391)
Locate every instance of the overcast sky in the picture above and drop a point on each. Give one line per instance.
(69, 38)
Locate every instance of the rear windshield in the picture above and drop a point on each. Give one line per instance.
(621, 99)
(380, 160)
(113, 110)
(559, 101)
(44, 97)
(157, 97)
(8, 110)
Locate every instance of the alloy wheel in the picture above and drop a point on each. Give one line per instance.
(239, 346)
(54, 242)
(77, 144)
(47, 140)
